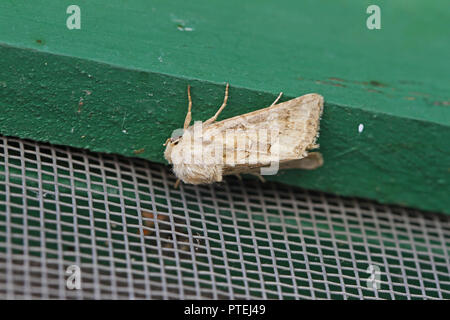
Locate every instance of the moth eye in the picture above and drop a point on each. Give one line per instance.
(175, 141)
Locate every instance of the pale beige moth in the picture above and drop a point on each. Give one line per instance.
(276, 137)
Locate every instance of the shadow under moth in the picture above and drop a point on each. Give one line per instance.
(260, 142)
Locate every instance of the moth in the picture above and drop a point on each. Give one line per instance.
(260, 142)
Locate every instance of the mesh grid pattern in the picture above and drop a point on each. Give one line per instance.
(134, 236)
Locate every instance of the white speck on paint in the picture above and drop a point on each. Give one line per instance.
(360, 128)
(181, 24)
(124, 131)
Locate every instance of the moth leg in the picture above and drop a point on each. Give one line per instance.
(313, 161)
(278, 98)
(238, 176)
(188, 118)
(260, 177)
(177, 184)
(211, 120)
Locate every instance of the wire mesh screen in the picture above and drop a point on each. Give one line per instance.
(133, 235)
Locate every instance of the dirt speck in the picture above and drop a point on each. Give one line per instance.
(377, 83)
(334, 84)
(80, 105)
(336, 79)
(442, 103)
(139, 151)
(181, 24)
(373, 90)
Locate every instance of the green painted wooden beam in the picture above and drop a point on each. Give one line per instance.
(119, 83)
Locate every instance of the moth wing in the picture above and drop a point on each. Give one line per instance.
(312, 161)
(279, 133)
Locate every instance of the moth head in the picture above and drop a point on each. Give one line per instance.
(170, 144)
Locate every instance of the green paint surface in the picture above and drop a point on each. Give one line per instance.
(119, 83)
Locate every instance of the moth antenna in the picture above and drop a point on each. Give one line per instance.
(167, 141)
(211, 120)
(177, 184)
(278, 98)
(188, 118)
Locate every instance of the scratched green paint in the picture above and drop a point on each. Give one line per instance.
(119, 84)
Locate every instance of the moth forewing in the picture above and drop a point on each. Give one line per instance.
(280, 133)
(261, 139)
